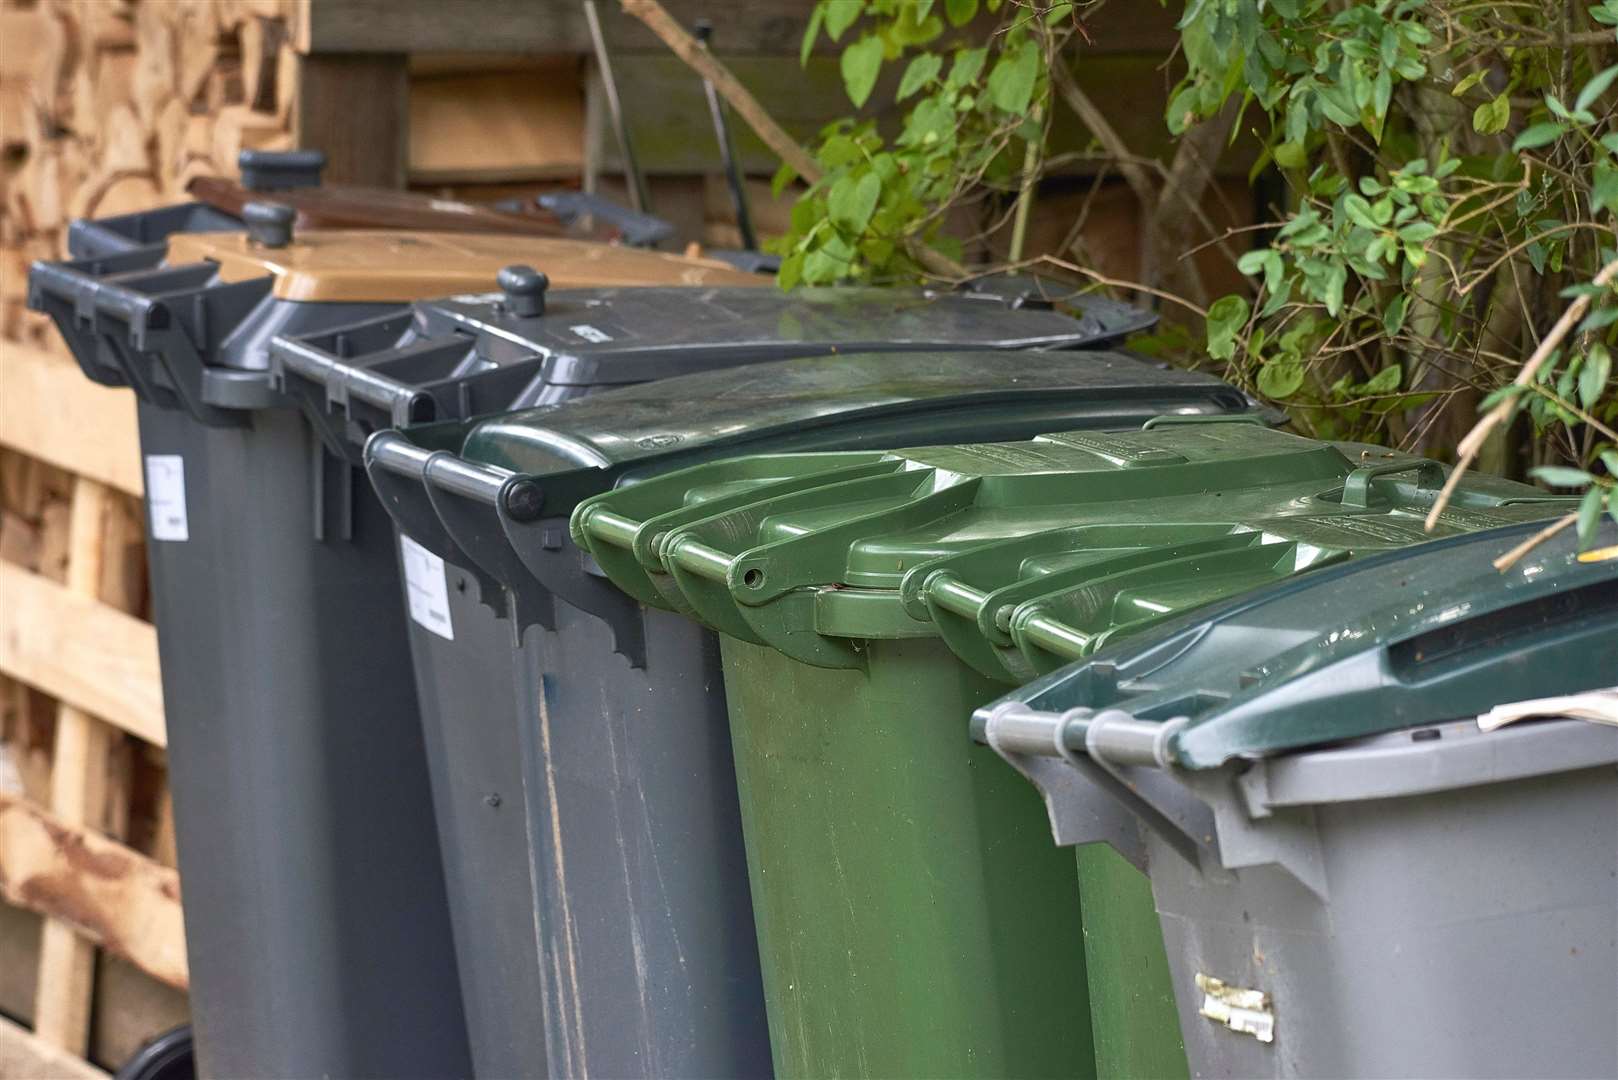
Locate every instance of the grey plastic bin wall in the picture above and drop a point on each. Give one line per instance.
(645, 957)
(1353, 879)
(531, 345)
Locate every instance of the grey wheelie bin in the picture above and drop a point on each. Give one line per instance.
(899, 879)
(479, 354)
(315, 913)
(1354, 877)
(608, 777)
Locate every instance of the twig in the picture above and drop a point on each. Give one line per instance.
(1140, 182)
(1509, 559)
(1467, 451)
(1120, 283)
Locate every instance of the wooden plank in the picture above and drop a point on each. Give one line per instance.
(764, 27)
(25, 1056)
(125, 902)
(50, 411)
(498, 127)
(82, 651)
(79, 763)
(355, 107)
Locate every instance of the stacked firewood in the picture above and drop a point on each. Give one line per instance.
(110, 106)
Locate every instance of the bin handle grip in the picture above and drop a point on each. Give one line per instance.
(701, 559)
(1357, 488)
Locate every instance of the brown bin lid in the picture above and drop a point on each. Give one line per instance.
(369, 266)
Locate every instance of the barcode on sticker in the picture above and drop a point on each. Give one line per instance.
(590, 333)
(165, 496)
(426, 588)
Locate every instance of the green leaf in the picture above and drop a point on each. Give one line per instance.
(1291, 155)
(1594, 376)
(852, 202)
(922, 70)
(1595, 88)
(960, 12)
(1058, 12)
(1226, 318)
(860, 65)
(816, 18)
(1385, 381)
(1491, 117)
(783, 176)
(791, 272)
(1599, 319)
(1604, 189)
(1467, 83)
(1336, 281)
(1537, 135)
(840, 15)
(1590, 515)
(1560, 476)
(1281, 376)
(1253, 261)
(1393, 319)
(1011, 83)
(968, 65)
(1359, 211)
(1418, 232)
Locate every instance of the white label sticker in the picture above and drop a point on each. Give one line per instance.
(165, 496)
(427, 587)
(590, 333)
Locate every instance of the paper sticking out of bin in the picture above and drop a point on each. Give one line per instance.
(1332, 837)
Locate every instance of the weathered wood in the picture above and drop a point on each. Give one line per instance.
(79, 764)
(355, 107)
(81, 651)
(125, 902)
(498, 127)
(764, 27)
(25, 1056)
(49, 410)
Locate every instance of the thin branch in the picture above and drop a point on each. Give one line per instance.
(1509, 559)
(1093, 119)
(1474, 439)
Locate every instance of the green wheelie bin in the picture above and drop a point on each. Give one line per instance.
(899, 878)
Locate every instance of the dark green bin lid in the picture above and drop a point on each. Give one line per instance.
(1091, 535)
(1403, 639)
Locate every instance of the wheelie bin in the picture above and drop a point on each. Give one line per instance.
(1354, 877)
(898, 876)
(315, 910)
(608, 777)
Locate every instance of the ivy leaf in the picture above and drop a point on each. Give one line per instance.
(960, 12)
(852, 202)
(860, 64)
(1491, 117)
(1226, 318)
(922, 70)
(1011, 83)
(1560, 476)
(1595, 88)
(1594, 375)
(1590, 515)
(1281, 376)
(1537, 135)
(840, 15)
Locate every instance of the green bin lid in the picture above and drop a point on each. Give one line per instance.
(1402, 639)
(812, 553)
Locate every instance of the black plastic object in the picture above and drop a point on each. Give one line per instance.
(169, 1056)
(269, 224)
(634, 228)
(277, 170)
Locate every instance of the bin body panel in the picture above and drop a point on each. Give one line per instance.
(1124, 953)
(475, 767)
(1449, 915)
(914, 918)
(283, 981)
(647, 941)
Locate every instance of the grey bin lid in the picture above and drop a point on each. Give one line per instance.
(1405, 639)
(474, 355)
